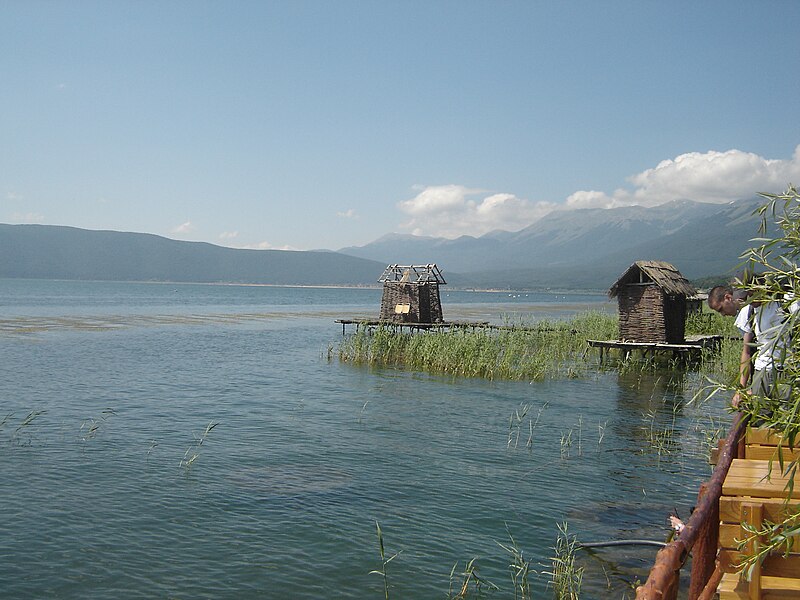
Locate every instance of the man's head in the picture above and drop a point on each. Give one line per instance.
(725, 300)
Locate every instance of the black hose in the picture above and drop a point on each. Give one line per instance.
(622, 543)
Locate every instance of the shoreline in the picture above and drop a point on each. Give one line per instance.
(353, 286)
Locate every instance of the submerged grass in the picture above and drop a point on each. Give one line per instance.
(548, 349)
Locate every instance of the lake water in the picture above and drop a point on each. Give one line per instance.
(107, 389)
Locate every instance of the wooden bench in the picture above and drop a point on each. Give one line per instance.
(755, 491)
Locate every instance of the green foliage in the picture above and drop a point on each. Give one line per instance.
(775, 260)
(770, 539)
(710, 322)
(566, 577)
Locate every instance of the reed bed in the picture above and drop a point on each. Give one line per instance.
(548, 349)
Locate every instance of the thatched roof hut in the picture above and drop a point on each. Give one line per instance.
(411, 294)
(652, 302)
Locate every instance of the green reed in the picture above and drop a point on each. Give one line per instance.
(91, 426)
(384, 561)
(470, 580)
(25, 427)
(566, 577)
(661, 438)
(519, 567)
(193, 452)
(548, 349)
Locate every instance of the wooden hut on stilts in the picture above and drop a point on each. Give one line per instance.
(411, 294)
(652, 298)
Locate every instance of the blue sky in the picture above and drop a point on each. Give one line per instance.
(310, 124)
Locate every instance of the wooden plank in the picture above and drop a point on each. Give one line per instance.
(775, 509)
(781, 584)
(744, 465)
(760, 452)
(762, 489)
(762, 435)
(729, 535)
(732, 588)
(774, 566)
(758, 478)
(753, 515)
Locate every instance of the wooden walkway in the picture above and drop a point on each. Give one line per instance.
(693, 346)
(412, 326)
(368, 322)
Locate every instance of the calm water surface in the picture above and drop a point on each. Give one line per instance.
(107, 389)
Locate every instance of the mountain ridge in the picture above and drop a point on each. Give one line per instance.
(567, 249)
(590, 246)
(62, 252)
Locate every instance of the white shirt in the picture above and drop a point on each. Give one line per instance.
(766, 321)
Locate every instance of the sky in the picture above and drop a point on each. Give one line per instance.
(308, 124)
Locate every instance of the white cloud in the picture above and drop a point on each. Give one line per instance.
(454, 210)
(228, 235)
(26, 218)
(348, 214)
(183, 228)
(265, 246)
(13, 196)
(718, 177)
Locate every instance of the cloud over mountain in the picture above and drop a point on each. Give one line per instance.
(453, 210)
(715, 177)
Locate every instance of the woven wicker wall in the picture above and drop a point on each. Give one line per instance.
(425, 306)
(641, 314)
(646, 314)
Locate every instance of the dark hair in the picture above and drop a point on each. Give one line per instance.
(717, 294)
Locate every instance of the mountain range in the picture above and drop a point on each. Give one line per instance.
(56, 252)
(586, 248)
(567, 249)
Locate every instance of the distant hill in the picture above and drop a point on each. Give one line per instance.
(568, 249)
(54, 252)
(586, 248)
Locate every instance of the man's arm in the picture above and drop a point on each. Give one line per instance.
(746, 361)
(745, 364)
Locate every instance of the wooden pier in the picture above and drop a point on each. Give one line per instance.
(399, 325)
(692, 347)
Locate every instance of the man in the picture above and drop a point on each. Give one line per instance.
(761, 324)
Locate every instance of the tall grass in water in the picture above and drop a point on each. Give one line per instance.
(24, 428)
(193, 451)
(384, 561)
(723, 362)
(566, 577)
(520, 568)
(548, 349)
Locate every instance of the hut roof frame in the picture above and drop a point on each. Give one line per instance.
(418, 274)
